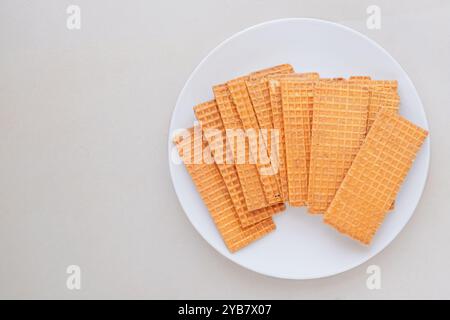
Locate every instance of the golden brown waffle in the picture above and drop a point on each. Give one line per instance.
(273, 83)
(384, 94)
(357, 78)
(258, 91)
(297, 102)
(214, 132)
(387, 93)
(332, 79)
(298, 83)
(215, 195)
(279, 69)
(338, 130)
(375, 176)
(385, 99)
(294, 76)
(267, 174)
(382, 98)
(277, 116)
(248, 173)
(371, 84)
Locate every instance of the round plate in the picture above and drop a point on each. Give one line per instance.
(302, 247)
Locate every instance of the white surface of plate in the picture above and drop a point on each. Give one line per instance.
(302, 247)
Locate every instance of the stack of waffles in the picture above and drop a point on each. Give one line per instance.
(275, 137)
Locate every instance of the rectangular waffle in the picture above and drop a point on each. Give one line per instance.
(297, 103)
(338, 130)
(273, 83)
(277, 119)
(374, 179)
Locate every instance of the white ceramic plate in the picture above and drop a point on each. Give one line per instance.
(302, 247)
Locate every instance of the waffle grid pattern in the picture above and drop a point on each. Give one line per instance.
(248, 173)
(343, 151)
(383, 96)
(279, 69)
(241, 99)
(375, 88)
(277, 116)
(338, 130)
(385, 99)
(297, 100)
(208, 115)
(375, 176)
(274, 86)
(295, 76)
(303, 83)
(258, 90)
(214, 193)
(371, 84)
(360, 78)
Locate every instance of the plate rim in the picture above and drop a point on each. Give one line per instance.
(426, 145)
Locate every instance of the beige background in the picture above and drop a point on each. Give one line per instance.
(84, 178)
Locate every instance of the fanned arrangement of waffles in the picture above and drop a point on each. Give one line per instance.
(214, 193)
(336, 146)
(258, 151)
(214, 133)
(248, 172)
